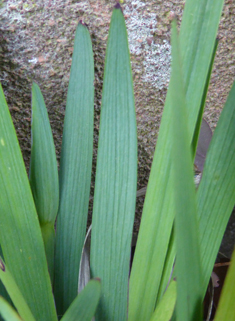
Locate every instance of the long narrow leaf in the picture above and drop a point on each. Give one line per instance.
(200, 122)
(43, 175)
(116, 177)
(155, 230)
(198, 33)
(225, 310)
(14, 292)
(188, 270)
(158, 215)
(48, 235)
(216, 192)
(165, 308)
(84, 305)
(200, 114)
(75, 171)
(20, 233)
(8, 313)
(3, 291)
(169, 265)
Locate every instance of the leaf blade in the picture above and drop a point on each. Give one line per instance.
(165, 308)
(188, 269)
(43, 174)
(7, 312)
(116, 177)
(225, 310)
(84, 305)
(75, 171)
(216, 192)
(200, 114)
(18, 215)
(14, 292)
(198, 33)
(157, 216)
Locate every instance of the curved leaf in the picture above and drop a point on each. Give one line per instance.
(8, 313)
(20, 234)
(197, 37)
(84, 305)
(165, 308)
(15, 294)
(43, 174)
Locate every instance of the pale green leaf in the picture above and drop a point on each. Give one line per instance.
(3, 291)
(15, 294)
(84, 305)
(188, 269)
(169, 265)
(226, 310)
(75, 171)
(7, 312)
(198, 33)
(165, 307)
(200, 114)
(48, 235)
(116, 177)
(196, 43)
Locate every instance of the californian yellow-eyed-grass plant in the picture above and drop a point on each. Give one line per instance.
(39, 268)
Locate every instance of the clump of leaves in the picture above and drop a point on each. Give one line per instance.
(177, 219)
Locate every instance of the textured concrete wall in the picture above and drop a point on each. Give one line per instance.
(36, 44)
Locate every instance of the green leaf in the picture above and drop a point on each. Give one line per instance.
(225, 310)
(216, 192)
(8, 313)
(43, 174)
(165, 308)
(3, 291)
(75, 171)
(196, 43)
(201, 128)
(198, 33)
(200, 114)
(116, 177)
(155, 229)
(15, 294)
(169, 265)
(20, 234)
(188, 270)
(84, 305)
(48, 235)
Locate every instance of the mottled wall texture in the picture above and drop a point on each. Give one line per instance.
(36, 44)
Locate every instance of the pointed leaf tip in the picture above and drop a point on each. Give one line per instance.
(83, 23)
(118, 6)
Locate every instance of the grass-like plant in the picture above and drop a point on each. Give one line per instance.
(39, 267)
